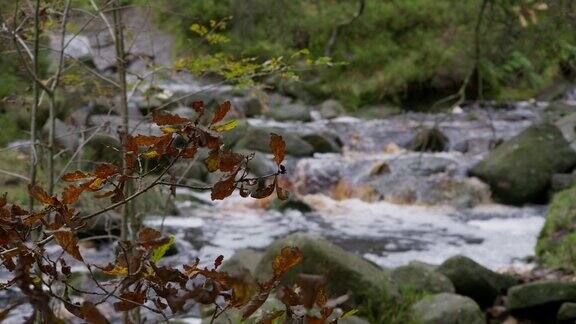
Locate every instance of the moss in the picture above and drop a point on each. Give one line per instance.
(556, 246)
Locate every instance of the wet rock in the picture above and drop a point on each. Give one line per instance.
(293, 203)
(251, 106)
(475, 281)
(561, 181)
(331, 109)
(540, 300)
(567, 312)
(447, 308)
(345, 271)
(421, 278)
(519, 171)
(258, 139)
(567, 126)
(324, 142)
(555, 245)
(429, 140)
(291, 112)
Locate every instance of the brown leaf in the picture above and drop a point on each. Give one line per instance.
(130, 151)
(189, 152)
(150, 238)
(229, 161)
(130, 301)
(223, 109)
(162, 118)
(41, 196)
(224, 188)
(288, 297)
(71, 194)
(67, 240)
(263, 191)
(288, 258)
(311, 290)
(143, 140)
(3, 200)
(105, 170)
(91, 314)
(75, 176)
(198, 106)
(33, 218)
(278, 147)
(218, 261)
(255, 303)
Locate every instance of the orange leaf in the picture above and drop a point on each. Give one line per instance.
(229, 161)
(162, 118)
(41, 196)
(106, 170)
(75, 176)
(223, 109)
(143, 140)
(71, 194)
(278, 147)
(31, 219)
(130, 300)
(189, 152)
(67, 240)
(288, 258)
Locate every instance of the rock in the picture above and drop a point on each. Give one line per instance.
(66, 136)
(242, 260)
(231, 137)
(258, 139)
(345, 271)
(567, 126)
(291, 112)
(102, 148)
(76, 46)
(561, 181)
(519, 171)
(353, 320)
(555, 245)
(291, 203)
(540, 299)
(261, 164)
(252, 107)
(447, 308)
(567, 312)
(324, 142)
(331, 109)
(473, 280)
(429, 140)
(422, 279)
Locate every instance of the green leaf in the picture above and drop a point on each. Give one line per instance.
(161, 250)
(226, 127)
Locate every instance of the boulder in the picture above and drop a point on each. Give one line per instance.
(331, 109)
(429, 140)
(567, 312)
(421, 278)
(555, 245)
(345, 271)
(258, 139)
(475, 281)
(293, 203)
(519, 171)
(540, 300)
(447, 308)
(291, 112)
(324, 142)
(242, 260)
(261, 164)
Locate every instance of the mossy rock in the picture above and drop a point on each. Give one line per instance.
(324, 142)
(519, 171)
(242, 260)
(293, 203)
(540, 300)
(556, 246)
(421, 278)
(291, 112)
(429, 140)
(447, 308)
(475, 281)
(258, 139)
(567, 312)
(345, 272)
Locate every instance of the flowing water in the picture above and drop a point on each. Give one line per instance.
(389, 230)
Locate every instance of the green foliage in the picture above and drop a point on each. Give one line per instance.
(396, 48)
(394, 310)
(160, 251)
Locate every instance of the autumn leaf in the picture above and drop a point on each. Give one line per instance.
(223, 109)
(288, 258)
(212, 162)
(130, 300)
(33, 218)
(143, 140)
(263, 190)
(106, 170)
(162, 118)
(41, 196)
(150, 238)
(75, 176)
(224, 188)
(91, 314)
(226, 127)
(67, 240)
(189, 152)
(152, 154)
(198, 106)
(71, 194)
(229, 161)
(278, 147)
(160, 251)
